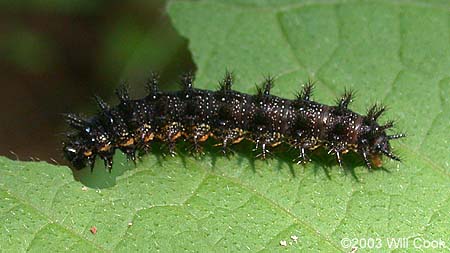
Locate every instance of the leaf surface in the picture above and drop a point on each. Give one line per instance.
(395, 52)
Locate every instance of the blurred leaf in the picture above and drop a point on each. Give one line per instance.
(131, 53)
(26, 49)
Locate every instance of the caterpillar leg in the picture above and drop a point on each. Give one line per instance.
(338, 157)
(130, 152)
(91, 162)
(266, 140)
(226, 143)
(228, 137)
(197, 135)
(170, 133)
(107, 158)
(302, 157)
(365, 156)
(338, 150)
(145, 134)
(303, 141)
(264, 151)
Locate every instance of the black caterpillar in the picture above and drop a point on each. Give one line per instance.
(229, 117)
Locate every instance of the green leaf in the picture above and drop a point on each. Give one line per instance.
(397, 52)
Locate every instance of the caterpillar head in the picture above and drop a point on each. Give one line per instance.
(76, 153)
(375, 142)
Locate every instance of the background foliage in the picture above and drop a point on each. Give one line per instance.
(395, 52)
(56, 54)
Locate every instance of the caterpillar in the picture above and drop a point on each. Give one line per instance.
(228, 116)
